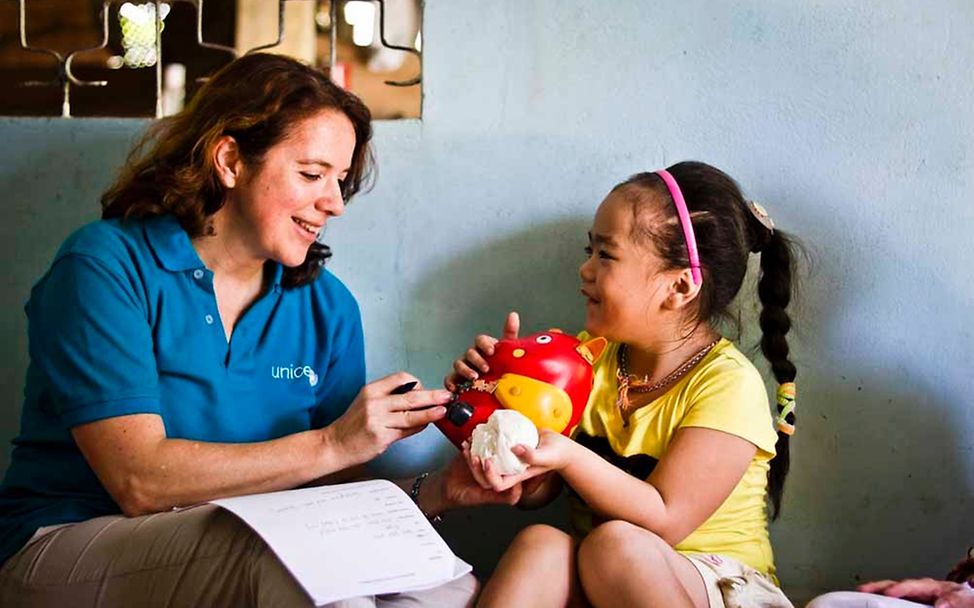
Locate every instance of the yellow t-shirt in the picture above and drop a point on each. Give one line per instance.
(723, 392)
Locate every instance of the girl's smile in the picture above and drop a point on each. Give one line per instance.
(619, 279)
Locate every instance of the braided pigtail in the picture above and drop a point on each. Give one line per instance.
(775, 288)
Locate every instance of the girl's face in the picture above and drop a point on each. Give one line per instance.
(280, 206)
(621, 279)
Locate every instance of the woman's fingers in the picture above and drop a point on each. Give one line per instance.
(412, 410)
(415, 419)
(418, 400)
(417, 409)
(512, 495)
(385, 386)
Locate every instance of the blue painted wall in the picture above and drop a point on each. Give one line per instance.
(851, 122)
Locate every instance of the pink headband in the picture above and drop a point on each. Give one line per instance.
(684, 215)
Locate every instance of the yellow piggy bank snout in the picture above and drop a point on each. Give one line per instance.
(546, 405)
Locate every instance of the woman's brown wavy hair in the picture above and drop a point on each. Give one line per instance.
(255, 99)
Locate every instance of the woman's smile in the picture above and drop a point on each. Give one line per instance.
(307, 230)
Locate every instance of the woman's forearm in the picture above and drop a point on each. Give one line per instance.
(145, 472)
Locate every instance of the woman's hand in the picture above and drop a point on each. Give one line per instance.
(474, 362)
(943, 594)
(454, 487)
(377, 419)
(461, 489)
(552, 454)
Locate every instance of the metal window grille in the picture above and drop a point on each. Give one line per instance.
(142, 28)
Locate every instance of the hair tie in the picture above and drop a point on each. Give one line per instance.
(786, 405)
(761, 215)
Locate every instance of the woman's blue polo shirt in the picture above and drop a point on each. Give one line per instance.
(125, 321)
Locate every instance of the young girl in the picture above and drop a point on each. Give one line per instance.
(677, 453)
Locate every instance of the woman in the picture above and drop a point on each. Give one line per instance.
(189, 346)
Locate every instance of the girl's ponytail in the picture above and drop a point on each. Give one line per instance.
(775, 287)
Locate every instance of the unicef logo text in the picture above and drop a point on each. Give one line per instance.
(292, 372)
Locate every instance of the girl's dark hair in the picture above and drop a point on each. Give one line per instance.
(256, 99)
(727, 232)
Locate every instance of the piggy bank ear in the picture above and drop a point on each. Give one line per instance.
(555, 330)
(592, 349)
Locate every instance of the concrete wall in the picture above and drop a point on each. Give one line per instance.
(851, 122)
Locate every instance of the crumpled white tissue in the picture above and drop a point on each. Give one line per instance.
(493, 441)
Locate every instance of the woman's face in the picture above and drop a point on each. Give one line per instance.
(280, 206)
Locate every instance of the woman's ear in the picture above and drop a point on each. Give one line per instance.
(682, 290)
(226, 161)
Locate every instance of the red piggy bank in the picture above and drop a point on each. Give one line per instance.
(546, 376)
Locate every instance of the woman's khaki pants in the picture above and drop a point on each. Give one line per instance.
(198, 557)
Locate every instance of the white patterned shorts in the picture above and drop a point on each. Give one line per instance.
(731, 584)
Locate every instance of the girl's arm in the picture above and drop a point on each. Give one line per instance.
(695, 476)
(698, 472)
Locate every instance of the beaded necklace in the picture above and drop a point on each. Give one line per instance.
(629, 382)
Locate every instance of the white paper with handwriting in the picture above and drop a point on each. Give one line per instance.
(349, 540)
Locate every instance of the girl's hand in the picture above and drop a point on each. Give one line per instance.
(376, 418)
(473, 362)
(552, 454)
